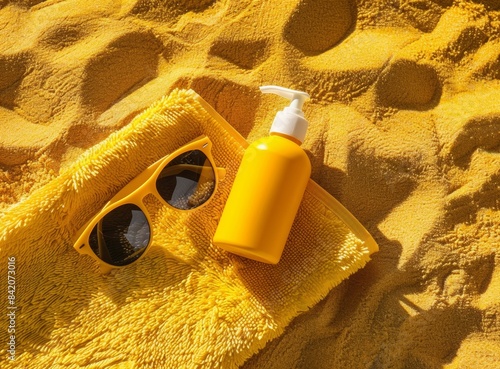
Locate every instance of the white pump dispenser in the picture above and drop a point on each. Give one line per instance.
(289, 121)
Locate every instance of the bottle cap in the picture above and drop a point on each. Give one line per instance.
(289, 121)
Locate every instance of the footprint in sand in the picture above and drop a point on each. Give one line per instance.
(317, 25)
(157, 10)
(12, 71)
(245, 54)
(478, 133)
(128, 61)
(407, 84)
(424, 15)
(66, 34)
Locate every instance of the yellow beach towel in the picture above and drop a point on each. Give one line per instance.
(186, 304)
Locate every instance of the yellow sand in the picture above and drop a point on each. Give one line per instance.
(405, 132)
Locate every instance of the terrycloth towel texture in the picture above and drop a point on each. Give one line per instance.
(186, 304)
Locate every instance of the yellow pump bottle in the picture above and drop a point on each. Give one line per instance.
(268, 187)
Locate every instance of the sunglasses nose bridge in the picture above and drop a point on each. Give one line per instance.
(136, 197)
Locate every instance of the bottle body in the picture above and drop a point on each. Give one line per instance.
(264, 199)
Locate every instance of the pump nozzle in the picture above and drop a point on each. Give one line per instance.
(296, 97)
(290, 121)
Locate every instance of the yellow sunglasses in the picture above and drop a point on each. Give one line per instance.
(121, 232)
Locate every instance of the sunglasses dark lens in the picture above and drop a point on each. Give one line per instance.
(121, 236)
(188, 181)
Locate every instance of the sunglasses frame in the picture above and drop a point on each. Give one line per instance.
(135, 192)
